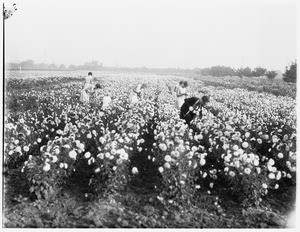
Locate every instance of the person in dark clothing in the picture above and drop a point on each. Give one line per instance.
(191, 106)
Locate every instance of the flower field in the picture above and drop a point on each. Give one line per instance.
(67, 164)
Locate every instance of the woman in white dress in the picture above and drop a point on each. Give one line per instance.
(88, 87)
(137, 93)
(181, 94)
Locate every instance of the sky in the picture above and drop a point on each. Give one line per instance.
(154, 33)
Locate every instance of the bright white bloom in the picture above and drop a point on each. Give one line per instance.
(97, 170)
(202, 162)
(271, 162)
(197, 186)
(89, 136)
(162, 146)
(66, 165)
(276, 186)
(167, 165)
(235, 147)
(26, 148)
(54, 159)
(168, 158)
(87, 155)
(232, 173)
(245, 144)
(211, 185)
(190, 155)
(271, 175)
(264, 185)
(73, 154)
(160, 169)
(47, 167)
(280, 155)
(124, 156)
(247, 135)
(134, 170)
(107, 155)
(247, 170)
(61, 165)
(100, 155)
(18, 149)
(278, 176)
(256, 162)
(67, 146)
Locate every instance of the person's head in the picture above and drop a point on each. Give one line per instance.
(90, 74)
(205, 100)
(97, 86)
(184, 84)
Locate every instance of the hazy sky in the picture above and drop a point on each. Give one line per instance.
(154, 33)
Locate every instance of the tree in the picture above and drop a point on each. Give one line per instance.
(53, 67)
(290, 74)
(258, 72)
(72, 67)
(62, 67)
(271, 75)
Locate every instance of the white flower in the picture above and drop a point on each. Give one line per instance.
(211, 185)
(245, 144)
(271, 175)
(97, 170)
(89, 136)
(167, 165)
(271, 162)
(61, 165)
(47, 167)
(87, 155)
(124, 156)
(73, 154)
(247, 170)
(26, 148)
(247, 135)
(276, 186)
(134, 170)
(168, 158)
(107, 155)
(160, 169)
(113, 151)
(182, 182)
(264, 185)
(258, 170)
(18, 149)
(202, 162)
(162, 146)
(197, 186)
(232, 173)
(54, 159)
(100, 155)
(278, 176)
(255, 162)
(235, 147)
(67, 146)
(66, 165)
(190, 155)
(280, 155)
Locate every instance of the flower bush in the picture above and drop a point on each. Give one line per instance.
(246, 148)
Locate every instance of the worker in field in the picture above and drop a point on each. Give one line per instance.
(88, 88)
(137, 93)
(193, 106)
(180, 94)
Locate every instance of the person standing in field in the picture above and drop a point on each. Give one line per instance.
(88, 88)
(193, 106)
(181, 94)
(137, 93)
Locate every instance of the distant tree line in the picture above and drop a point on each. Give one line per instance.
(221, 71)
(290, 74)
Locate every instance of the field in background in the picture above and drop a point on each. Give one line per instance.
(71, 165)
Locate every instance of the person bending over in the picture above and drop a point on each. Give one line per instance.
(191, 107)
